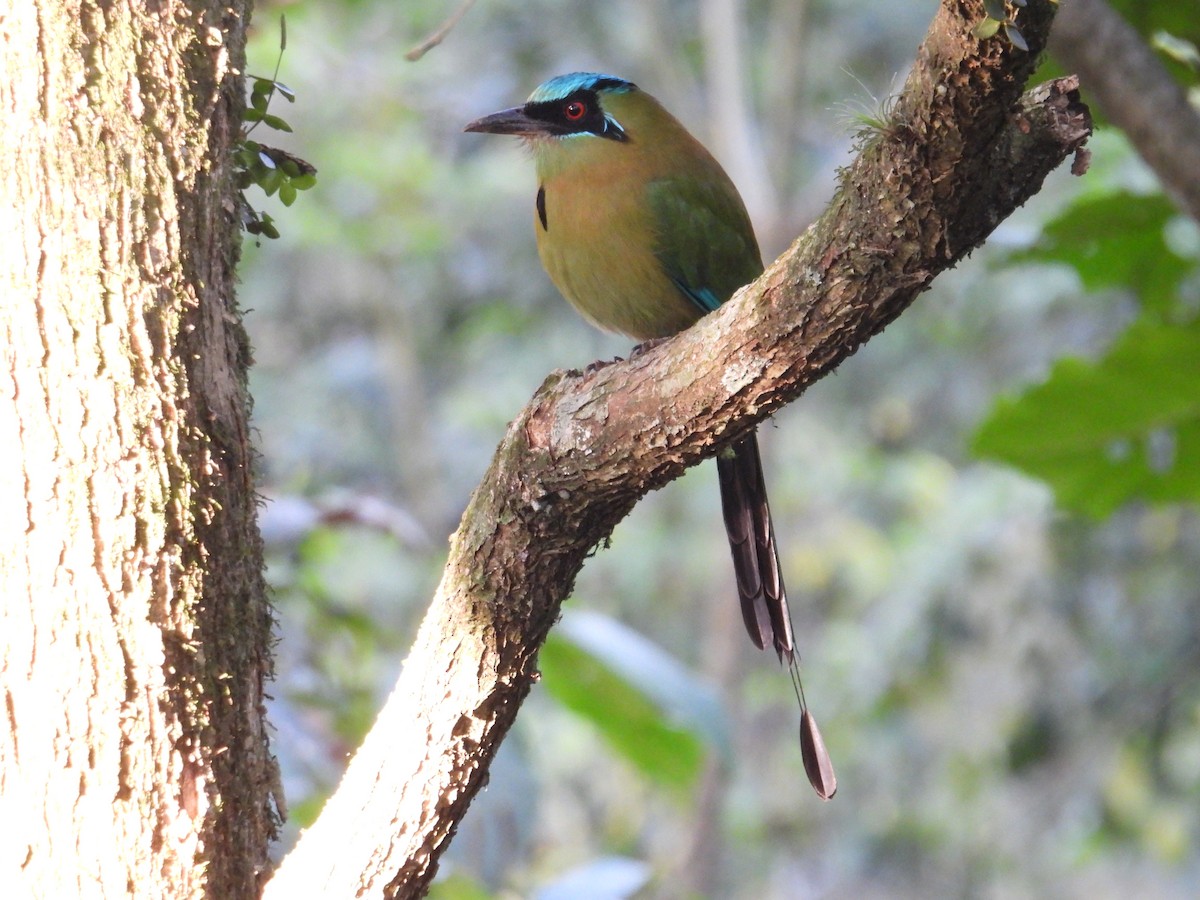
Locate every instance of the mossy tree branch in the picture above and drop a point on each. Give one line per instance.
(963, 148)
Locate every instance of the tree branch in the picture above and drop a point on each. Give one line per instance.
(1135, 90)
(963, 150)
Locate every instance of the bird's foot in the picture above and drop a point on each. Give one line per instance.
(646, 346)
(600, 364)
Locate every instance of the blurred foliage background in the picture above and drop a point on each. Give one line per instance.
(1006, 666)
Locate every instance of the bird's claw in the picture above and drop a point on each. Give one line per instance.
(646, 346)
(599, 364)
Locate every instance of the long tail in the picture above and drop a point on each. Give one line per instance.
(752, 540)
(760, 587)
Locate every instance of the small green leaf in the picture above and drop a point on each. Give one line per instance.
(986, 29)
(270, 184)
(1015, 37)
(995, 9)
(304, 182)
(268, 228)
(287, 193)
(252, 115)
(275, 122)
(260, 96)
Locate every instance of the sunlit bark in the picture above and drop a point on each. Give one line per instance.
(133, 625)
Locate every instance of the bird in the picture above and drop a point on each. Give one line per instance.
(644, 233)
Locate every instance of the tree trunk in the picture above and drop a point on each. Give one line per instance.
(134, 627)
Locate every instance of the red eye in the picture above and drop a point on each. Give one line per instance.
(575, 110)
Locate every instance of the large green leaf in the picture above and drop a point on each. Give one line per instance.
(605, 878)
(1102, 433)
(458, 886)
(645, 704)
(1116, 240)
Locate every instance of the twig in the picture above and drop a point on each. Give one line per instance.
(440, 35)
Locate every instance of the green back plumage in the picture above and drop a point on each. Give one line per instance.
(643, 235)
(705, 243)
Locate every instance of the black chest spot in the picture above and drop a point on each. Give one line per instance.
(541, 208)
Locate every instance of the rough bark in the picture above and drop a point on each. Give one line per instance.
(133, 623)
(1134, 89)
(962, 150)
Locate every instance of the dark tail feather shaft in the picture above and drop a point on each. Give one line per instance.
(752, 541)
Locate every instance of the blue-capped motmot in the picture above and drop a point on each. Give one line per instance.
(643, 232)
